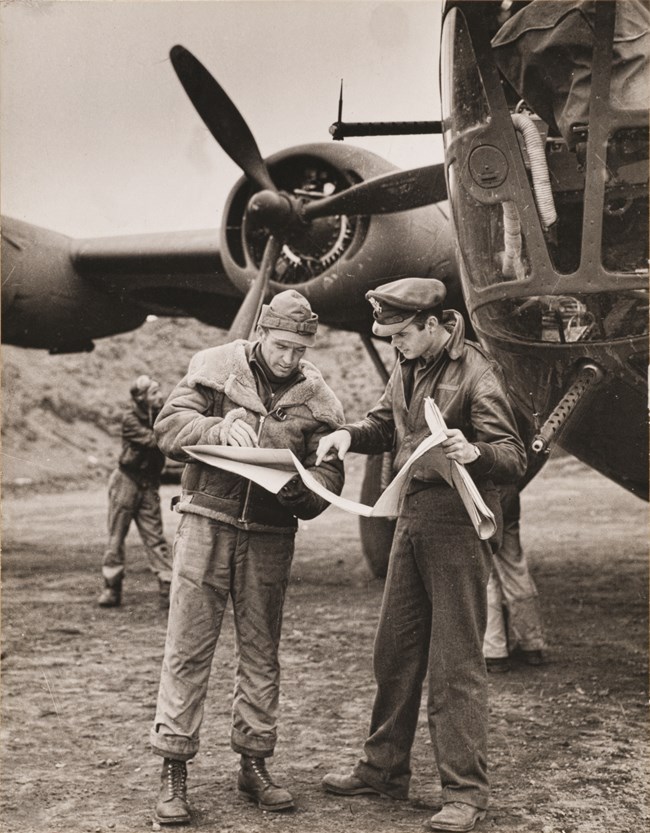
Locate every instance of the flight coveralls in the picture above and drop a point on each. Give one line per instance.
(133, 495)
(433, 612)
(235, 539)
(512, 585)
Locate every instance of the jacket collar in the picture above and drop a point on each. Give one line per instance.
(144, 413)
(453, 322)
(226, 369)
(255, 357)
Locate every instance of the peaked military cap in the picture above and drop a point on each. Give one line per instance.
(397, 303)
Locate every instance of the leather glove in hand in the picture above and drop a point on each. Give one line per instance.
(300, 500)
(293, 489)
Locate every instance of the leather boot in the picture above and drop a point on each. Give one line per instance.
(172, 806)
(111, 595)
(533, 657)
(347, 784)
(255, 782)
(456, 817)
(163, 594)
(497, 665)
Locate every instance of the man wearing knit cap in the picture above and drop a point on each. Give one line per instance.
(433, 612)
(235, 539)
(134, 495)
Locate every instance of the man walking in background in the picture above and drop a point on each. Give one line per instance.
(133, 495)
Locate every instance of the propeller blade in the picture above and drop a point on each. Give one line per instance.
(400, 191)
(220, 116)
(246, 319)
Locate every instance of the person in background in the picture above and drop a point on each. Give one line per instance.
(511, 585)
(133, 495)
(434, 609)
(235, 539)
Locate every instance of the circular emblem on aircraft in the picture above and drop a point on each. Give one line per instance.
(488, 166)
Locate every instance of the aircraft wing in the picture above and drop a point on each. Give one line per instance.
(60, 294)
(173, 273)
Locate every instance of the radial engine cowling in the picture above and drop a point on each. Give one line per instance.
(334, 260)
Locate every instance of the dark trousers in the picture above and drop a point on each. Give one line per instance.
(432, 619)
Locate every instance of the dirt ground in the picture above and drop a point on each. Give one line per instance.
(568, 740)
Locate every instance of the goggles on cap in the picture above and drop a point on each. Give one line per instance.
(271, 319)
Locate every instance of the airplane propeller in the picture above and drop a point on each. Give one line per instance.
(281, 213)
(399, 191)
(220, 116)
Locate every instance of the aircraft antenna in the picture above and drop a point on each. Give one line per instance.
(340, 129)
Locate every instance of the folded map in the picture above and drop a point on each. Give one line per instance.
(271, 468)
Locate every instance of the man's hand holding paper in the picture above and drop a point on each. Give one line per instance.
(457, 447)
(240, 433)
(275, 470)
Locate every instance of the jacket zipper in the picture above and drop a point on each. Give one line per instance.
(272, 407)
(242, 515)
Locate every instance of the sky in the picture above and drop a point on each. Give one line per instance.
(98, 137)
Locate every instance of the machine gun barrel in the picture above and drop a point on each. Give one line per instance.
(340, 129)
(589, 375)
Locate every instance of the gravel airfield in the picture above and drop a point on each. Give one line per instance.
(568, 743)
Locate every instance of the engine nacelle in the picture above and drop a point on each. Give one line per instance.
(333, 261)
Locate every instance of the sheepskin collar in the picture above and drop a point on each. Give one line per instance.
(225, 369)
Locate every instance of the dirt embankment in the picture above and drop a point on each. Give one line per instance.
(61, 414)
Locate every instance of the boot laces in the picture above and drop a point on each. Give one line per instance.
(176, 778)
(259, 768)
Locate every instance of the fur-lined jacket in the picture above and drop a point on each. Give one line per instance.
(219, 388)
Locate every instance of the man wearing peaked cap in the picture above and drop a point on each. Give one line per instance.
(434, 609)
(237, 539)
(396, 304)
